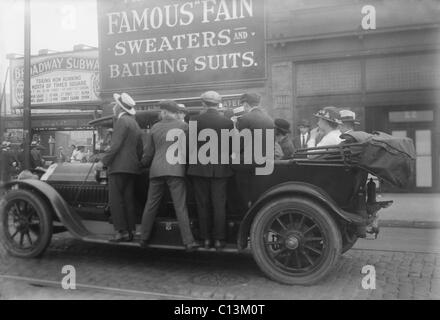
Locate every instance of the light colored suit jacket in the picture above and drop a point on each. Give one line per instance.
(156, 147)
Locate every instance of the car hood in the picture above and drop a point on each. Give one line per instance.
(70, 172)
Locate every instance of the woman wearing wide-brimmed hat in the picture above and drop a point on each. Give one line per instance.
(329, 120)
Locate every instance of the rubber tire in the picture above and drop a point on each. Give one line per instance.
(320, 215)
(45, 215)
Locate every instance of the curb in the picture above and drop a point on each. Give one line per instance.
(409, 224)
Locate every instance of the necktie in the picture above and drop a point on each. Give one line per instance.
(303, 143)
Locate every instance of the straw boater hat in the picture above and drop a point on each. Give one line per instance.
(348, 116)
(182, 108)
(282, 125)
(330, 114)
(125, 102)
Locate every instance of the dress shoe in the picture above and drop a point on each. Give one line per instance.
(192, 246)
(143, 244)
(219, 244)
(207, 244)
(119, 237)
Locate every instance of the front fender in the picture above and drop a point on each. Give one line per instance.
(293, 188)
(65, 214)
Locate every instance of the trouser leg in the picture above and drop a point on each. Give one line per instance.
(155, 193)
(201, 192)
(116, 202)
(178, 194)
(130, 202)
(218, 198)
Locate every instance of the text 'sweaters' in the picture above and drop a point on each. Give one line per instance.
(156, 43)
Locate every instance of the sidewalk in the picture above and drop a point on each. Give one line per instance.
(417, 210)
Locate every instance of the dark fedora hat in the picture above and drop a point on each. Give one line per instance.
(304, 123)
(251, 98)
(282, 125)
(169, 105)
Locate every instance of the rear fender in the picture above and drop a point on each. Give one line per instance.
(294, 189)
(65, 214)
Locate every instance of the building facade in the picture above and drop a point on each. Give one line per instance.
(318, 53)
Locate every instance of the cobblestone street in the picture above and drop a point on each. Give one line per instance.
(112, 272)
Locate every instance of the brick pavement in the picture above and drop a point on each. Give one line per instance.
(206, 275)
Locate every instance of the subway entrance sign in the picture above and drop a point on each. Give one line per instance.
(146, 45)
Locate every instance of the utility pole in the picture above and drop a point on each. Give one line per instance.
(3, 107)
(27, 85)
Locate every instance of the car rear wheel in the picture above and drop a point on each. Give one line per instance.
(25, 224)
(295, 241)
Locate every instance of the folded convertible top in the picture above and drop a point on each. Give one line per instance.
(387, 157)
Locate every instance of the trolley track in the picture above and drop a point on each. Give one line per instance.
(86, 288)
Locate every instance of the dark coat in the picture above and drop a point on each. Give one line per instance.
(126, 147)
(287, 147)
(156, 148)
(297, 141)
(36, 158)
(256, 118)
(211, 119)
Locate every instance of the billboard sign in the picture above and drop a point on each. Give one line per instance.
(148, 44)
(57, 79)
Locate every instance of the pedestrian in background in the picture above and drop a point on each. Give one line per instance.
(6, 162)
(163, 173)
(282, 131)
(348, 119)
(302, 140)
(182, 112)
(36, 157)
(61, 157)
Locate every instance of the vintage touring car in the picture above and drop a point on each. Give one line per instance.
(296, 221)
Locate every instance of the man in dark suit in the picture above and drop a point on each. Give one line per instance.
(123, 163)
(301, 141)
(166, 172)
(210, 180)
(36, 157)
(254, 118)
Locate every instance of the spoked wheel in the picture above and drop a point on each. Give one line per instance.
(295, 241)
(26, 224)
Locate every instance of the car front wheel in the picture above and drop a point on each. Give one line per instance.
(25, 224)
(294, 240)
